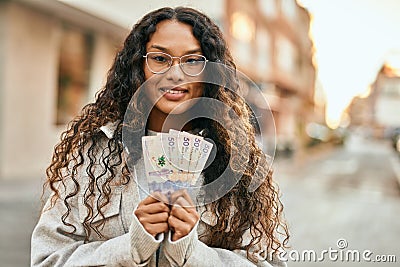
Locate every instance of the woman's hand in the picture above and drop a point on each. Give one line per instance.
(183, 215)
(153, 214)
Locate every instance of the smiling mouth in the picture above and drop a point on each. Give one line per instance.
(173, 90)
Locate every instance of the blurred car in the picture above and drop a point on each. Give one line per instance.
(396, 139)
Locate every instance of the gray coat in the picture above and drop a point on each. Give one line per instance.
(126, 242)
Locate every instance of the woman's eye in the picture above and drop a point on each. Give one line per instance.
(194, 60)
(191, 60)
(160, 59)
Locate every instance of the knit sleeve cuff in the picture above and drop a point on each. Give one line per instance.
(177, 252)
(143, 245)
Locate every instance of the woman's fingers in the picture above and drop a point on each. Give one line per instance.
(153, 214)
(157, 217)
(179, 228)
(182, 194)
(155, 197)
(183, 215)
(188, 215)
(160, 197)
(156, 228)
(183, 208)
(152, 208)
(154, 218)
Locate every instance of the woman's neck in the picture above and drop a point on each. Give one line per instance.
(158, 121)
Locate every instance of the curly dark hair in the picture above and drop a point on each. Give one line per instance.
(259, 212)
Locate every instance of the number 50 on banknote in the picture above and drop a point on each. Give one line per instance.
(174, 160)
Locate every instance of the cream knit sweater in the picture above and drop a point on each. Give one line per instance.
(126, 242)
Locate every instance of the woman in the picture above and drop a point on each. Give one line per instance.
(96, 215)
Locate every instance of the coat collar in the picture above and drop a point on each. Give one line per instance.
(109, 129)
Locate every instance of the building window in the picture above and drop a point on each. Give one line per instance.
(268, 7)
(286, 55)
(76, 49)
(243, 30)
(391, 88)
(289, 8)
(264, 51)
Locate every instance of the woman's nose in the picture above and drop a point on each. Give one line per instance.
(175, 73)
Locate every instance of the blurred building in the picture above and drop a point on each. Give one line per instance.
(379, 111)
(56, 54)
(385, 100)
(359, 111)
(53, 59)
(271, 43)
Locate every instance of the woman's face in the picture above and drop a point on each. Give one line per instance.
(174, 87)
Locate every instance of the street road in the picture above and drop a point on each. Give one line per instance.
(19, 212)
(349, 193)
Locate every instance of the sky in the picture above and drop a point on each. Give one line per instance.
(352, 38)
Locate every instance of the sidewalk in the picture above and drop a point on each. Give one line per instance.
(395, 161)
(348, 193)
(19, 206)
(302, 159)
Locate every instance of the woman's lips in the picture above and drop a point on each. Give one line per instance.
(174, 94)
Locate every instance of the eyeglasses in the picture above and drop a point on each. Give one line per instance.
(159, 63)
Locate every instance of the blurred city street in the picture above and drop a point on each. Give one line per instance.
(328, 70)
(19, 209)
(348, 192)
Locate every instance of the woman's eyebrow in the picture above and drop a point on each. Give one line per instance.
(164, 49)
(159, 47)
(193, 51)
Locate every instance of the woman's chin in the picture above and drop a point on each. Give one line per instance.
(177, 108)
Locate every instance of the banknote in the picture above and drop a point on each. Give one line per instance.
(174, 160)
(192, 158)
(157, 167)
